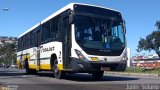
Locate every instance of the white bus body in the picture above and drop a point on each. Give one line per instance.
(67, 41)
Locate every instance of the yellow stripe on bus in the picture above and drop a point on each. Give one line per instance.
(24, 57)
(32, 66)
(45, 66)
(60, 66)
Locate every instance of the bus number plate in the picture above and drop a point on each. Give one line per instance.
(105, 69)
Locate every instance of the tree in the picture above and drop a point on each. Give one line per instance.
(152, 41)
(7, 53)
(158, 24)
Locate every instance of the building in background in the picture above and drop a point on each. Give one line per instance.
(151, 61)
(5, 39)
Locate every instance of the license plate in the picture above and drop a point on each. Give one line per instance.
(105, 69)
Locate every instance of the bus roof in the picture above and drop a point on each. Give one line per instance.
(69, 6)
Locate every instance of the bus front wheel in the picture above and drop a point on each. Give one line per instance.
(57, 73)
(97, 75)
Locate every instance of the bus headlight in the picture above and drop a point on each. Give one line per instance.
(80, 55)
(125, 58)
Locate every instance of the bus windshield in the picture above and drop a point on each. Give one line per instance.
(96, 32)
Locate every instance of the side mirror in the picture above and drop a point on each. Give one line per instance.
(71, 18)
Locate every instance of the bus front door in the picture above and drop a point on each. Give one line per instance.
(66, 42)
(38, 50)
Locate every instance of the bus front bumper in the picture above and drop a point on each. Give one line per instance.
(83, 66)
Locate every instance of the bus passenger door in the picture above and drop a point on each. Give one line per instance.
(66, 37)
(38, 49)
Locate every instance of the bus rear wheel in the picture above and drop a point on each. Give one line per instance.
(58, 74)
(97, 75)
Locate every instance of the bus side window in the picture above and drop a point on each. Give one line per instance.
(45, 35)
(32, 38)
(22, 42)
(55, 28)
(19, 44)
(28, 40)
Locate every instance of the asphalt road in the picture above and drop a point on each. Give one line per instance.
(15, 79)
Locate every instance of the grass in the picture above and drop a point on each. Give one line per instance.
(142, 70)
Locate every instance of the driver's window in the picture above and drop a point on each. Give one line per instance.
(117, 34)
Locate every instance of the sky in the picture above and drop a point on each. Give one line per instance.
(140, 16)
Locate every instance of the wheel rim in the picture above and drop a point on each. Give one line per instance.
(55, 68)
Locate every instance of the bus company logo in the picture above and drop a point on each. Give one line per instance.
(48, 49)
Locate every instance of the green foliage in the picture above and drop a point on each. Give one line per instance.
(7, 53)
(158, 24)
(134, 70)
(142, 70)
(151, 42)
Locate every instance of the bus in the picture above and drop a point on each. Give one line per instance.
(79, 38)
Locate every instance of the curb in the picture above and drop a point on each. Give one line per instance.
(136, 74)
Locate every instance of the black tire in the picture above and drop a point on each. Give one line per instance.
(121, 67)
(58, 74)
(29, 71)
(124, 67)
(97, 75)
